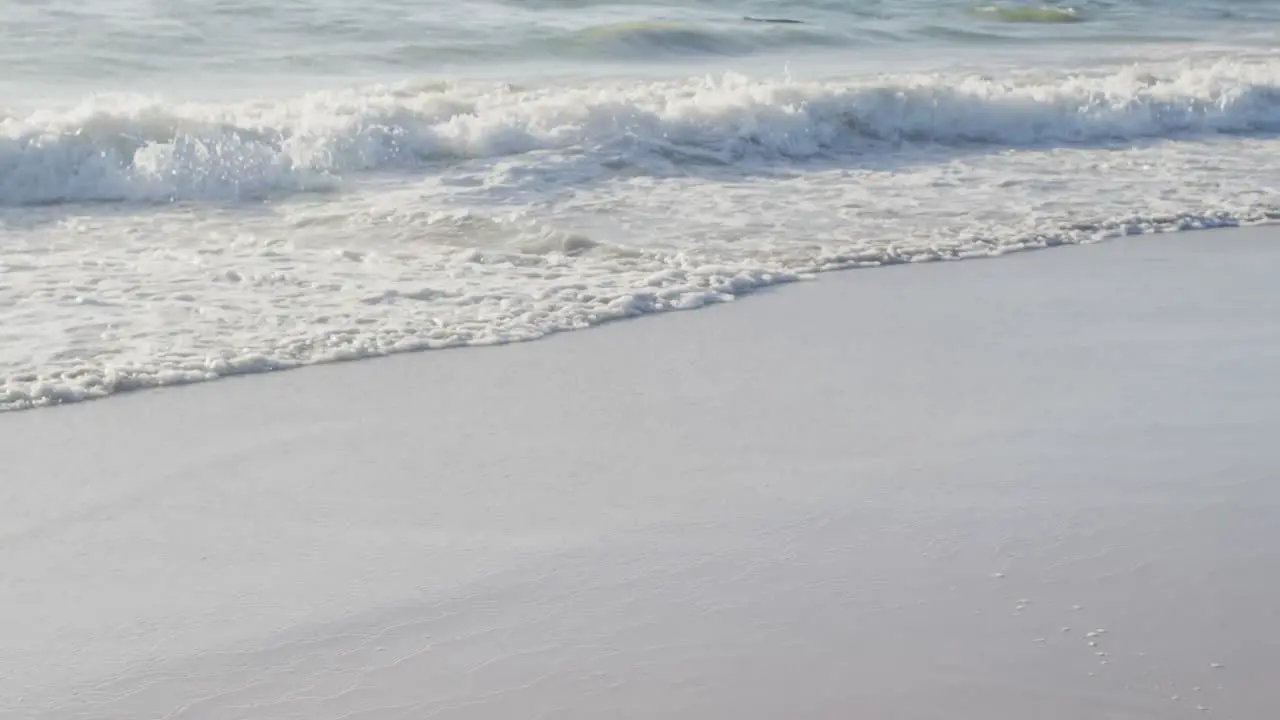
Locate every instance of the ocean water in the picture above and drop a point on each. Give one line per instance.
(190, 190)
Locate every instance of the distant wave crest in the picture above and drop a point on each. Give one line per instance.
(139, 149)
(1030, 13)
(653, 38)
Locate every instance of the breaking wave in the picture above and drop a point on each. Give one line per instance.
(142, 149)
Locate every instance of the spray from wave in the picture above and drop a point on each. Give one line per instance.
(138, 149)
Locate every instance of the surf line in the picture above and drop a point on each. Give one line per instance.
(776, 21)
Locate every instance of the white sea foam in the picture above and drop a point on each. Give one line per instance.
(130, 148)
(467, 216)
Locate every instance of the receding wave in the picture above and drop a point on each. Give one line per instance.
(137, 149)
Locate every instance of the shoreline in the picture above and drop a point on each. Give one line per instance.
(885, 492)
(743, 286)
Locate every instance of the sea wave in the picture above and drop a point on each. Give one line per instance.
(652, 39)
(115, 148)
(1049, 14)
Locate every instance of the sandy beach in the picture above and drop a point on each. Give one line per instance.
(1042, 486)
